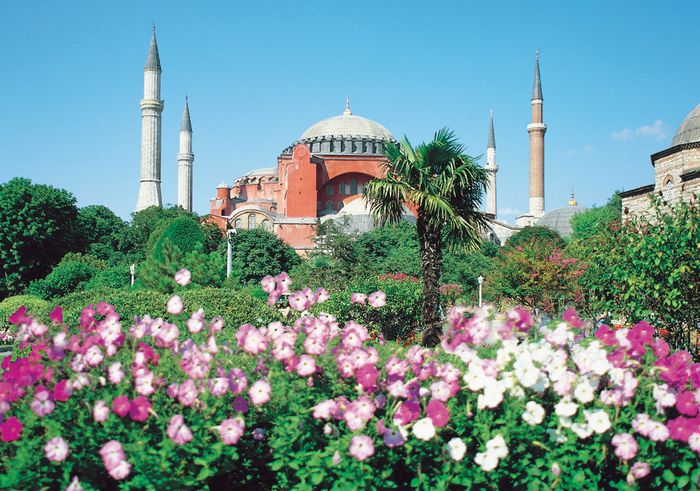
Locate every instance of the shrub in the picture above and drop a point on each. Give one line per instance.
(130, 303)
(112, 277)
(258, 253)
(183, 233)
(236, 307)
(502, 404)
(66, 277)
(400, 319)
(37, 307)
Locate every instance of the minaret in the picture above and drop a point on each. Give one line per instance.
(185, 157)
(151, 107)
(536, 130)
(491, 169)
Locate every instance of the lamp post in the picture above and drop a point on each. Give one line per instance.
(229, 254)
(132, 270)
(480, 279)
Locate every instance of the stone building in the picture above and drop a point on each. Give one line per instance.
(676, 170)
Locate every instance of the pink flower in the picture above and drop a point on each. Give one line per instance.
(75, 485)
(306, 365)
(259, 392)
(377, 299)
(218, 386)
(177, 431)
(237, 381)
(121, 406)
(625, 446)
(251, 339)
(437, 412)
(42, 404)
(120, 471)
(183, 277)
(361, 447)
(175, 305)
(100, 412)
(358, 298)
(11, 429)
(321, 295)
(393, 438)
(685, 403)
(324, 409)
(112, 454)
(268, 284)
(259, 433)
(367, 376)
(571, 317)
(115, 372)
(196, 321)
(299, 301)
(56, 449)
(187, 393)
(139, 408)
(231, 430)
(640, 470)
(94, 356)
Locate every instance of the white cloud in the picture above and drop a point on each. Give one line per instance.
(657, 131)
(584, 149)
(509, 211)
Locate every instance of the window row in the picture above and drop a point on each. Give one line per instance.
(346, 189)
(252, 221)
(330, 206)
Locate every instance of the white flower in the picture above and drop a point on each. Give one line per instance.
(557, 436)
(492, 396)
(566, 407)
(584, 390)
(694, 442)
(529, 376)
(663, 396)
(423, 429)
(497, 446)
(487, 460)
(456, 449)
(475, 377)
(582, 430)
(598, 420)
(534, 413)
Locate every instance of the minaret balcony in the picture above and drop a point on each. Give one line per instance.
(537, 127)
(152, 104)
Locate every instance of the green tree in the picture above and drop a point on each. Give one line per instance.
(463, 268)
(105, 235)
(145, 222)
(182, 232)
(68, 276)
(587, 223)
(535, 234)
(393, 248)
(38, 225)
(258, 253)
(445, 186)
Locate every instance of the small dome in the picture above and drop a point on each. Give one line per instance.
(559, 220)
(264, 171)
(689, 131)
(347, 125)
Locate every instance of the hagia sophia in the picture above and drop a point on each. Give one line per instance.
(321, 175)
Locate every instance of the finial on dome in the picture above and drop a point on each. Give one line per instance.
(347, 111)
(572, 200)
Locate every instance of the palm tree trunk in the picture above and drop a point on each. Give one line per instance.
(431, 259)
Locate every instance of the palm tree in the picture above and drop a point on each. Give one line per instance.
(444, 186)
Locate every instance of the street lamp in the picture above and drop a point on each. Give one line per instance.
(132, 270)
(480, 279)
(229, 255)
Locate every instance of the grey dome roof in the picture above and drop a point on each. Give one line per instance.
(347, 125)
(559, 220)
(263, 171)
(689, 131)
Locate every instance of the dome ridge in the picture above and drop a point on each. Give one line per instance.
(689, 130)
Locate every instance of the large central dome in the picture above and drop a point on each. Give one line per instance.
(689, 130)
(347, 125)
(346, 134)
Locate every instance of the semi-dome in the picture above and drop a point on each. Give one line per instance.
(559, 220)
(346, 134)
(689, 130)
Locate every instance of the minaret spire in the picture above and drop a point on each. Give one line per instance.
(185, 157)
(536, 129)
(151, 109)
(491, 169)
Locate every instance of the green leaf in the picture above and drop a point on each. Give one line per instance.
(669, 476)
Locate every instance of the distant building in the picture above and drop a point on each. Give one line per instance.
(676, 170)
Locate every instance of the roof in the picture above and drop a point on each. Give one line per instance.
(689, 130)
(560, 219)
(152, 59)
(348, 125)
(640, 190)
(492, 138)
(537, 87)
(263, 171)
(186, 124)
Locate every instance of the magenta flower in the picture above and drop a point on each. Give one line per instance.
(377, 299)
(408, 411)
(11, 429)
(571, 317)
(56, 315)
(367, 377)
(438, 412)
(625, 446)
(183, 277)
(62, 391)
(56, 449)
(237, 381)
(121, 406)
(100, 412)
(177, 431)
(231, 430)
(175, 305)
(240, 404)
(139, 408)
(361, 447)
(358, 298)
(259, 392)
(685, 403)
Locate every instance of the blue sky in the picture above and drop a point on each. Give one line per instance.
(618, 78)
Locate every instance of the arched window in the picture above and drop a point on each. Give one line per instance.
(329, 190)
(340, 205)
(252, 221)
(341, 188)
(668, 182)
(223, 213)
(329, 205)
(353, 186)
(267, 225)
(238, 223)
